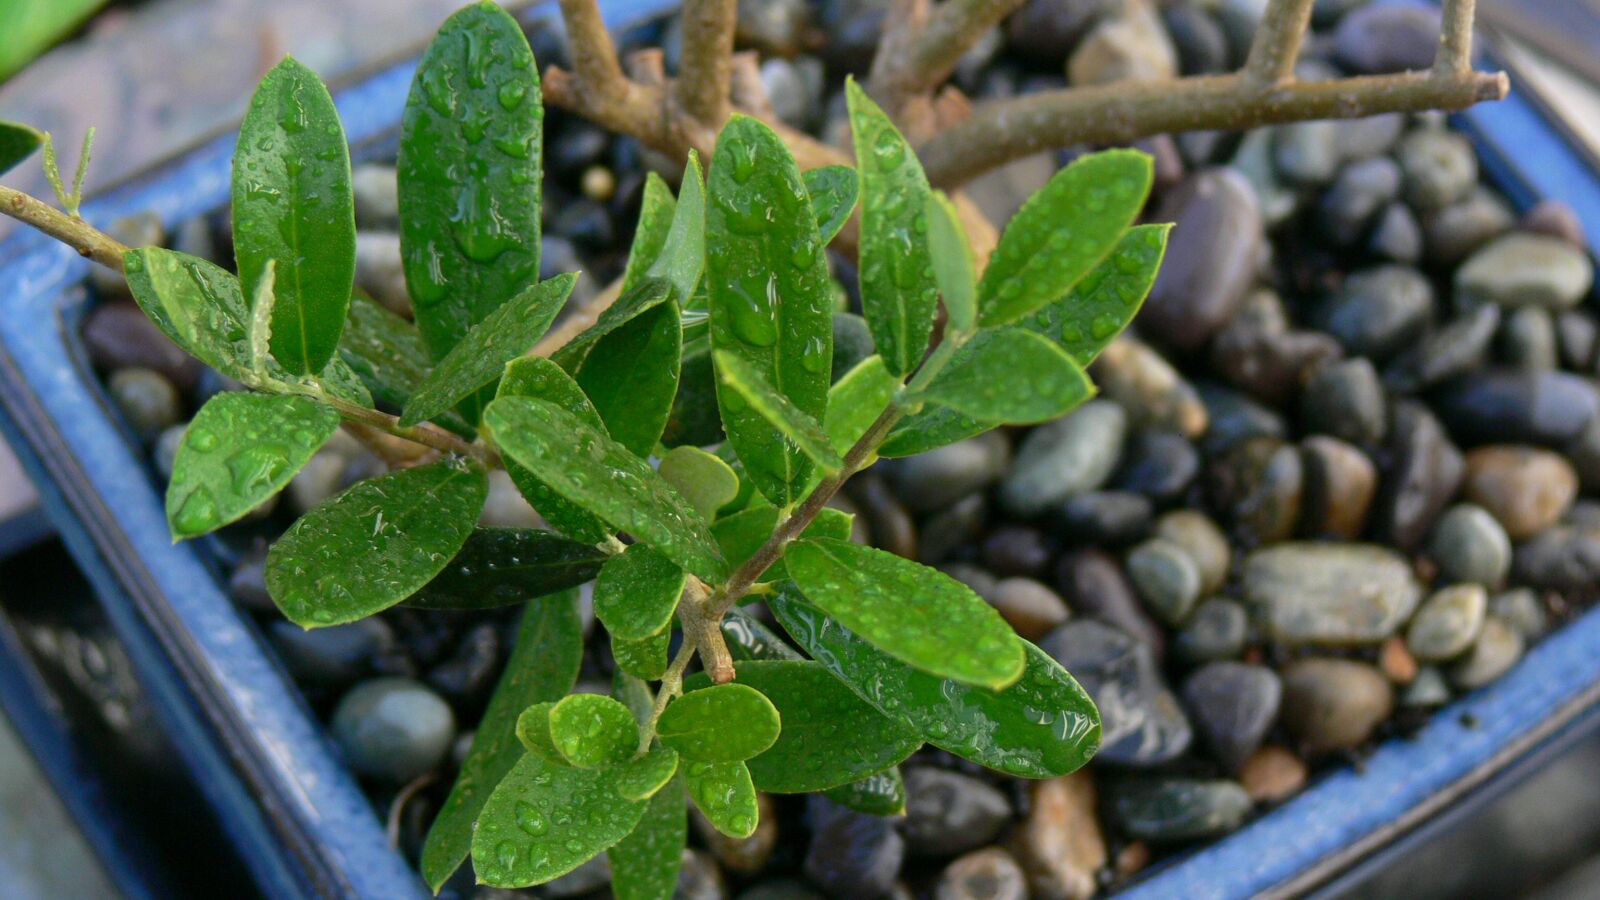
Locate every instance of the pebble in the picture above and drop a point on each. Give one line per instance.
(948, 529)
(1521, 269)
(1528, 339)
(1216, 631)
(317, 480)
(1364, 138)
(1521, 610)
(948, 813)
(118, 335)
(1577, 336)
(147, 400)
(1235, 417)
(1470, 546)
(1043, 30)
(1330, 594)
(1378, 311)
(1456, 348)
(933, 480)
(1451, 233)
(393, 729)
(164, 453)
(1361, 190)
(247, 585)
(1397, 236)
(1258, 352)
(1562, 559)
(1017, 550)
(1424, 471)
(1307, 153)
(380, 271)
(1149, 388)
(1396, 661)
(1526, 489)
(699, 878)
(1555, 218)
(1110, 518)
(1387, 38)
(1340, 482)
(1200, 42)
(1059, 844)
(1158, 464)
(987, 874)
(1179, 809)
(852, 855)
(1277, 199)
(746, 856)
(1497, 649)
(778, 889)
(787, 92)
(1065, 457)
(1028, 606)
(1166, 577)
(1210, 261)
(1132, 46)
(1346, 400)
(852, 343)
(888, 522)
(1447, 623)
(1333, 704)
(1272, 774)
(505, 506)
(1202, 541)
(330, 657)
(1232, 706)
(1095, 586)
(377, 197)
(1440, 168)
(1428, 689)
(468, 675)
(1257, 484)
(1141, 721)
(1583, 452)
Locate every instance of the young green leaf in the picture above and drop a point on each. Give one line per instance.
(833, 191)
(471, 155)
(502, 566)
(898, 295)
(593, 731)
(650, 235)
(542, 379)
(240, 449)
(375, 544)
(1042, 726)
(644, 865)
(533, 732)
(1062, 232)
(644, 658)
(480, 356)
(982, 380)
(293, 203)
(631, 376)
(831, 737)
(930, 429)
(912, 612)
(385, 351)
(953, 269)
(748, 638)
(856, 400)
(543, 667)
(585, 466)
(695, 419)
(682, 257)
(880, 794)
(746, 386)
(741, 534)
(195, 303)
(639, 779)
(705, 481)
(17, 143)
(1102, 304)
(632, 303)
(770, 300)
(518, 842)
(637, 592)
(722, 723)
(724, 792)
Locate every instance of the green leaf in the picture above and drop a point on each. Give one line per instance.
(722, 723)
(934, 427)
(898, 295)
(533, 732)
(17, 143)
(293, 204)
(240, 449)
(635, 694)
(31, 26)
(644, 865)
(953, 269)
(542, 379)
(1011, 376)
(644, 658)
(912, 612)
(195, 303)
(375, 544)
(1042, 726)
(502, 566)
(682, 257)
(631, 376)
(585, 466)
(518, 841)
(771, 303)
(637, 592)
(748, 638)
(385, 351)
(543, 667)
(724, 792)
(1102, 304)
(879, 794)
(833, 191)
(695, 419)
(855, 402)
(741, 534)
(831, 737)
(632, 303)
(471, 152)
(748, 389)
(482, 353)
(639, 779)
(650, 235)
(593, 731)
(705, 481)
(1062, 232)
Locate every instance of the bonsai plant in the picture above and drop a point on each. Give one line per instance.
(731, 270)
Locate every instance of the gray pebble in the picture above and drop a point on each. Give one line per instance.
(393, 729)
(147, 400)
(1497, 649)
(1447, 623)
(1063, 458)
(1470, 546)
(1179, 809)
(1166, 577)
(1216, 631)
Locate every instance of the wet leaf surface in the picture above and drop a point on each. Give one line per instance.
(1102, 304)
(542, 379)
(631, 376)
(833, 191)
(644, 658)
(644, 866)
(880, 794)
(502, 566)
(748, 638)
(640, 779)
(637, 592)
(1011, 376)
(718, 724)
(385, 351)
(17, 143)
(704, 480)
(930, 429)
(856, 400)
(739, 378)
(724, 792)
(534, 734)
(593, 731)
(545, 820)
(742, 534)
(951, 256)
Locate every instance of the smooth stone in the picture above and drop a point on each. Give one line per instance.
(933, 480)
(852, 855)
(1210, 261)
(1042, 31)
(1340, 482)
(1158, 464)
(377, 196)
(1424, 470)
(1258, 352)
(1450, 234)
(1307, 153)
(1577, 336)
(981, 580)
(1378, 311)
(1396, 661)
(1360, 191)
(1152, 392)
(1397, 235)
(1470, 546)
(1106, 517)
(1017, 550)
(1370, 136)
(147, 400)
(1333, 704)
(887, 520)
(118, 335)
(1239, 19)
(1028, 606)
(1132, 46)
(505, 506)
(380, 270)
(1562, 558)
(1447, 623)
(1202, 541)
(1520, 609)
(1330, 594)
(951, 528)
(317, 480)
(699, 878)
(1166, 577)
(747, 856)
(164, 452)
(1440, 168)
(1520, 269)
(1387, 38)
(1232, 706)
(1526, 489)
(1179, 809)
(1234, 418)
(987, 874)
(787, 91)
(393, 729)
(948, 813)
(1496, 650)
(999, 193)
(1528, 339)
(1272, 774)
(1063, 458)
(1060, 844)
(1429, 689)
(1216, 631)
(852, 343)
(1454, 349)
(468, 675)
(1346, 400)
(330, 657)
(589, 877)
(1583, 452)
(1257, 484)
(1555, 218)
(1200, 42)
(779, 889)
(1094, 585)
(1142, 723)
(247, 585)
(1277, 199)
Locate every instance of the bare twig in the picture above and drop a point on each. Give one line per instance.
(89, 241)
(702, 91)
(920, 48)
(1277, 41)
(1455, 38)
(593, 56)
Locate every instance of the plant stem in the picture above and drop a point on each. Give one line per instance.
(671, 686)
(89, 241)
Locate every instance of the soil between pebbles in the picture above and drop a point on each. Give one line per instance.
(1340, 471)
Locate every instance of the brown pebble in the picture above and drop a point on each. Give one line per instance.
(1028, 606)
(1340, 482)
(745, 855)
(1333, 704)
(1527, 489)
(1396, 661)
(1272, 773)
(890, 524)
(1060, 845)
(1132, 858)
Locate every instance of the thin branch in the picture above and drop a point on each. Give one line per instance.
(89, 241)
(1455, 38)
(702, 90)
(1277, 42)
(915, 60)
(593, 56)
(1003, 130)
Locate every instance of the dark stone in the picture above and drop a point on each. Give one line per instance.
(1095, 586)
(1424, 471)
(1110, 518)
(1345, 400)
(933, 480)
(587, 223)
(1064, 458)
(118, 335)
(1158, 464)
(147, 400)
(1018, 550)
(1387, 38)
(1179, 809)
(1378, 311)
(1397, 236)
(1257, 485)
(1576, 337)
(1528, 339)
(1440, 167)
(888, 521)
(1505, 405)
(1211, 258)
(1141, 721)
(1044, 32)
(1564, 558)
(1260, 354)
(852, 342)
(1358, 193)
(1232, 705)
(853, 856)
(951, 528)
(1452, 233)
(1454, 349)
(1340, 482)
(988, 874)
(1217, 630)
(330, 657)
(1236, 418)
(948, 813)
(1201, 43)
(468, 676)
(1334, 704)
